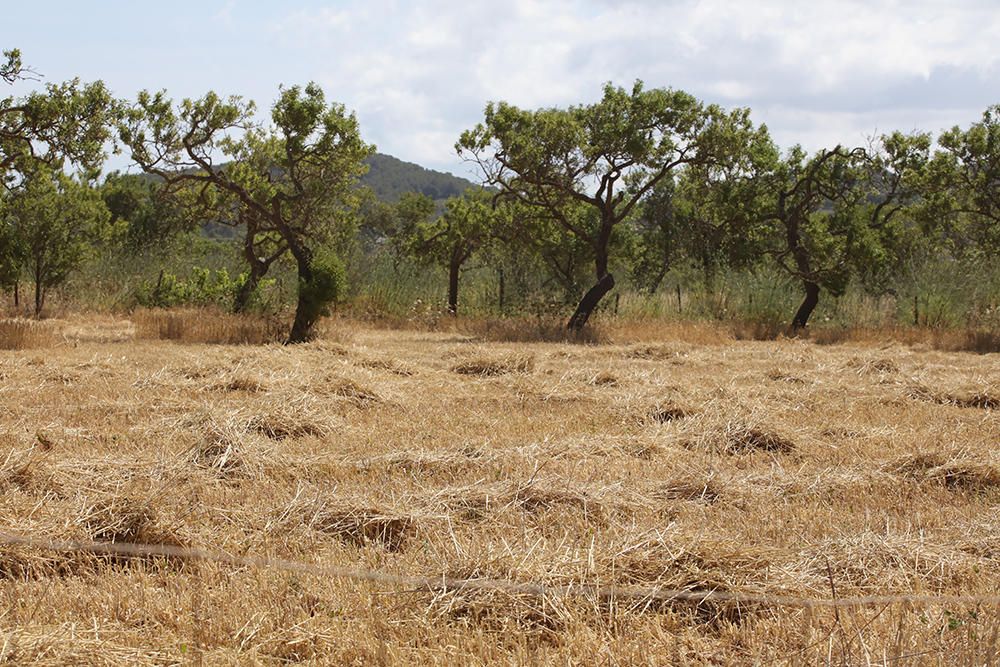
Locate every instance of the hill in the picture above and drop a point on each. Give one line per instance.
(391, 177)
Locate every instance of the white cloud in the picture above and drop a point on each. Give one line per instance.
(822, 72)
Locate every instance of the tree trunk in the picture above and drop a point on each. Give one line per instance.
(306, 312)
(39, 300)
(654, 286)
(501, 287)
(801, 319)
(17, 294)
(454, 266)
(242, 300)
(590, 301)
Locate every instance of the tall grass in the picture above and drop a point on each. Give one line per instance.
(208, 326)
(22, 334)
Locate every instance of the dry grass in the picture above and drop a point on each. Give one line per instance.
(18, 334)
(659, 459)
(494, 366)
(204, 326)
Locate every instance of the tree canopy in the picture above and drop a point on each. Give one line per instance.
(291, 180)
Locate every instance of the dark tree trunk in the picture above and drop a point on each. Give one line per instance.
(605, 281)
(654, 286)
(242, 300)
(454, 267)
(306, 311)
(801, 319)
(590, 301)
(39, 299)
(502, 286)
(17, 294)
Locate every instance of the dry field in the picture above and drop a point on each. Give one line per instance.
(769, 469)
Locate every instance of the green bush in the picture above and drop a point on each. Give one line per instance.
(327, 286)
(202, 288)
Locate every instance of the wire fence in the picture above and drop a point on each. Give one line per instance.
(440, 584)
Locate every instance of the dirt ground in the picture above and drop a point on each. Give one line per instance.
(772, 468)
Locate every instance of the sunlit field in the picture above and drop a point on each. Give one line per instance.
(682, 461)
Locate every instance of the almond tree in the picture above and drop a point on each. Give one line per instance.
(605, 156)
(825, 217)
(290, 182)
(53, 222)
(467, 224)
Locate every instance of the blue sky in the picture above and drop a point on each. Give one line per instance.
(418, 73)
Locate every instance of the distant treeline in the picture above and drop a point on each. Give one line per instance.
(673, 206)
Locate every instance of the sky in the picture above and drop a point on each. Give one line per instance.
(417, 73)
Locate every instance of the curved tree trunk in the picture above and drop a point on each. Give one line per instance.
(605, 282)
(801, 319)
(590, 301)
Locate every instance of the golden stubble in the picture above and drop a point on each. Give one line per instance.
(647, 458)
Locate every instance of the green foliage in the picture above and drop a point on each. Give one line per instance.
(605, 157)
(142, 214)
(52, 224)
(324, 287)
(291, 184)
(963, 185)
(203, 287)
(66, 122)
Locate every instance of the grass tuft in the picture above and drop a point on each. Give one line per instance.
(493, 367)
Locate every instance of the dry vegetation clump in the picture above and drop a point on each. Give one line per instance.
(691, 489)
(19, 468)
(388, 365)
(352, 524)
(665, 413)
(742, 437)
(542, 620)
(605, 379)
(243, 447)
(654, 352)
(872, 365)
(780, 375)
(987, 399)
(289, 420)
(868, 562)
(19, 334)
(351, 390)
(495, 366)
(589, 504)
(225, 454)
(420, 462)
(694, 566)
(119, 518)
(239, 383)
(955, 470)
(205, 326)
